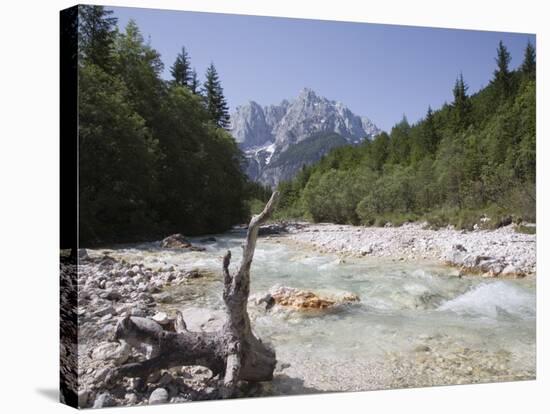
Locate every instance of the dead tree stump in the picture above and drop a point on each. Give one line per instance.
(234, 352)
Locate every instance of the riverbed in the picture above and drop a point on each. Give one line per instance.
(417, 323)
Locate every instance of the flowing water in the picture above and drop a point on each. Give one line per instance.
(416, 324)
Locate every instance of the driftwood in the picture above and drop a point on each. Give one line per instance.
(234, 353)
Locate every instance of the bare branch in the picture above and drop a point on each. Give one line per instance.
(252, 233)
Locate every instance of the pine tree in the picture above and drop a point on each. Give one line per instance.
(424, 138)
(502, 75)
(139, 65)
(96, 34)
(214, 99)
(400, 145)
(461, 104)
(194, 85)
(180, 70)
(529, 65)
(431, 137)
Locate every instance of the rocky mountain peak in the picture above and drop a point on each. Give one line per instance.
(264, 133)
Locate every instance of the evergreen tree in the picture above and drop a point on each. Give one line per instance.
(96, 34)
(214, 99)
(502, 76)
(194, 85)
(140, 66)
(181, 70)
(379, 150)
(424, 138)
(461, 104)
(431, 137)
(399, 145)
(529, 65)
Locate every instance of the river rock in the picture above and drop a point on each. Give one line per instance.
(164, 297)
(161, 317)
(158, 396)
(83, 395)
(104, 400)
(269, 229)
(456, 255)
(137, 330)
(119, 353)
(105, 310)
(112, 294)
(101, 374)
(175, 241)
(131, 398)
(203, 319)
(509, 270)
(301, 299)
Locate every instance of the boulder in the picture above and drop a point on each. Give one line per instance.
(175, 241)
(302, 299)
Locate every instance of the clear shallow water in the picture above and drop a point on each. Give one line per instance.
(404, 306)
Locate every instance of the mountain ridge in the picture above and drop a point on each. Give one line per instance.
(265, 132)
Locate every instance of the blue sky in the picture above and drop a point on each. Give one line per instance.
(378, 71)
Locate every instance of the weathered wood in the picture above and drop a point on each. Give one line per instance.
(234, 353)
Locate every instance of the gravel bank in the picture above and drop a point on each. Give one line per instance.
(502, 252)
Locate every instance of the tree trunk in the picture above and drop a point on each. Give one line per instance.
(233, 352)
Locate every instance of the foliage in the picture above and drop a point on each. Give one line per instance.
(151, 161)
(309, 150)
(181, 70)
(470, 162)
(96, 33)
(215, 101)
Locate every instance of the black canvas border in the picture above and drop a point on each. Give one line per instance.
(68, 124)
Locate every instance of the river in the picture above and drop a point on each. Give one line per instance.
(416, 324)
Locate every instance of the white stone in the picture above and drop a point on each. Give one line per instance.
(161, 317)
(158, 396)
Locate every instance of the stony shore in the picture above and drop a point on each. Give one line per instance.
(109, 290)
(493, 253)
